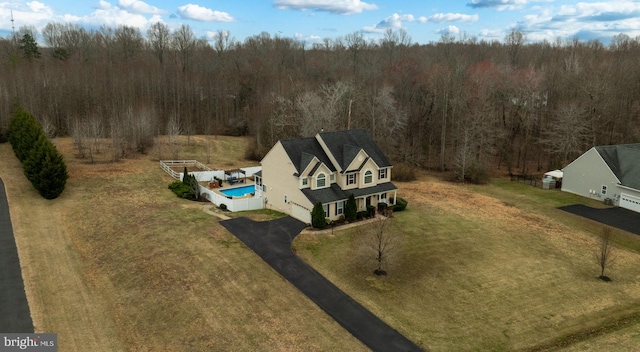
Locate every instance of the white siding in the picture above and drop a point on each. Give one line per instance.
(586, 175)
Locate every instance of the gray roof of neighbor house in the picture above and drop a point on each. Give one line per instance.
(334, 193)
(624, 162)
(302, 150)
(345, 145)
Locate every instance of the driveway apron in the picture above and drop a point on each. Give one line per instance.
(14, 309)
(624, 219)
(271, 240)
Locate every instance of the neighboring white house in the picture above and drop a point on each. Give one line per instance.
(299, 173)
(609, 173)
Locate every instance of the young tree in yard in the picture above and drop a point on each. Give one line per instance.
(379, 244)
(317, 216)
(605, 254)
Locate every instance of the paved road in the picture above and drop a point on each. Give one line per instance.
(621, 218)
(14, 309)
(272, 242)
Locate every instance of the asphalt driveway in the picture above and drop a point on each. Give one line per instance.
(620, 218)
(14, 309)
(271, 240)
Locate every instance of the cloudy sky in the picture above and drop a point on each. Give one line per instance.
(311, 20)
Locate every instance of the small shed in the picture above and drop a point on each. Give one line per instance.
(552, 179)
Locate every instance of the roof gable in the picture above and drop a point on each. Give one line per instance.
(302, 151)
(624, 162)
(345, 146)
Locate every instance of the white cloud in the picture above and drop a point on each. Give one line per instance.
(140, 7)
(39, 7)
(450, 30)
(342, 7)
(586, 21)
(394, 21)
(308, 39)
(199, 13)
(499, 5)
(33, 13)
(104, 5)
(449, 17)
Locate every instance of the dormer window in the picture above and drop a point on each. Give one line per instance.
(382, 174)
(321, 181)
(368, 177)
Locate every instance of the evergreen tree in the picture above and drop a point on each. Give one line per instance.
(43, 166)
(29, 47)
(24, 131)
(53, 176)
(351, 209)
(317, 216)
(35, 160)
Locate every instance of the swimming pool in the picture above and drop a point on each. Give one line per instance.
(238, 191)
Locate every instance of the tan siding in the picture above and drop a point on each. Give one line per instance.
(277, 175)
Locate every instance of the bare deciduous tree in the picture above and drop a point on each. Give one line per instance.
(605, 255)
(379, 244)
(159, 38)
(568, 133)
(173, 132)
(183, 41)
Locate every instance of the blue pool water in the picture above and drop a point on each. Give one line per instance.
(238, 191)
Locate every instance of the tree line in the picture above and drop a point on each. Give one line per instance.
(457, 104)
(42, 164)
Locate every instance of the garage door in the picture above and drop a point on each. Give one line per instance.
(301, 213)
(630, 202)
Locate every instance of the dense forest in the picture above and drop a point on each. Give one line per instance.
(457, 104)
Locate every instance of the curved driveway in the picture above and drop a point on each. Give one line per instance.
(14, 309)
(271, 240)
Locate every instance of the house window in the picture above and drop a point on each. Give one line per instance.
(332, 178)
(326, 210)
(321, 181)
(382, 174)
(305, 181)
(351, 179)
(368, 177)
(264, 188)
(258, 181)
(339, 208)
(604, 190)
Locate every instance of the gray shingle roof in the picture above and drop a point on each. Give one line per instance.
(302, 150)
(624, 162)
(344, 145)
(334, 193)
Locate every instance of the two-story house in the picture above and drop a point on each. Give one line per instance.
(299, 173)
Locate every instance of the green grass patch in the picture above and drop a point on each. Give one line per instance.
(257, 215)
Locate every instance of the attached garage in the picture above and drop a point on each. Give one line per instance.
(629, 202)
(301, 213)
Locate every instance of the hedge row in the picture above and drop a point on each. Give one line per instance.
(42, 164)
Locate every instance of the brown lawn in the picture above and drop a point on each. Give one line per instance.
(118, 263)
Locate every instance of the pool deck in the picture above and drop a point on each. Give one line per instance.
(226, 185)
